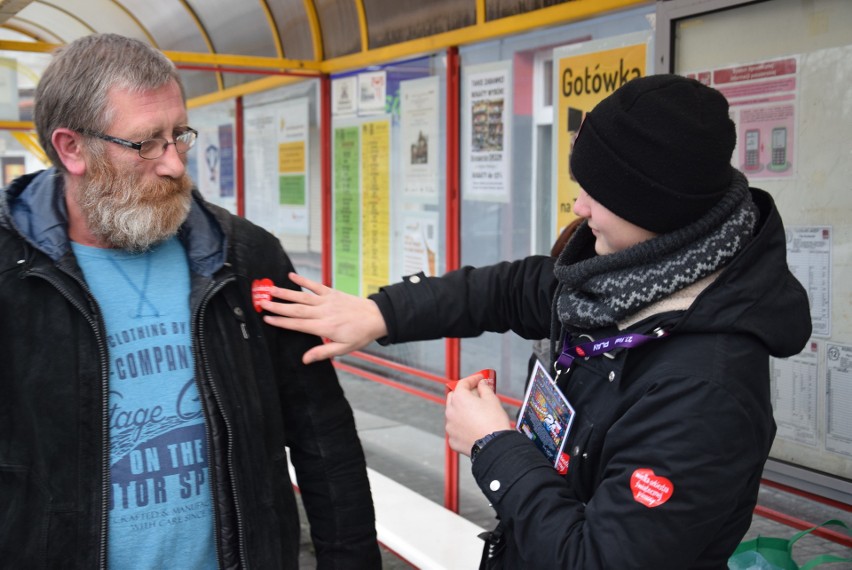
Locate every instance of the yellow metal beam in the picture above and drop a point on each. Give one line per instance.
(362, 25)
(273, 29)
(29, 141)
(205, 36)
(241, 61)
(37, 47)
(259, 62)
(17, 126)
(480, 12)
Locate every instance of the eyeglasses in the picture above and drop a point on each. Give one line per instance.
(151, 149)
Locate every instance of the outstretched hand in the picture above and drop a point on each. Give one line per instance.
(349, 322)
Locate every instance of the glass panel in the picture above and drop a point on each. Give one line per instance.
(212, 162)
(341, 33)
(495, 9)
(389, 187)
(789, 95)
(293, 28)
(282, 170)
(499, 223)
(395, 21)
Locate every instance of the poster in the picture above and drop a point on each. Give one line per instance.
(261, 165)
(293, 167)
(809, 259)
(584, 75)
(276, 166)
(346, 205)
(764, 100)
(486, 131)
(795, 395)
(344, 95)
(375, 213)
(838, 398)
(372, 90)
(420, 244)
(215, 163)
(419, 132)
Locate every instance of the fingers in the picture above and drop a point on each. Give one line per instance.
(313, 286)
(469, 382)
(308, 326)
(292, 296)
(318, 353)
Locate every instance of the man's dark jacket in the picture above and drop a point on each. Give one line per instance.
(257, 396)
(669, 440)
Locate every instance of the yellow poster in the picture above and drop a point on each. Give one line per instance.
(375, 205)
(584, 80)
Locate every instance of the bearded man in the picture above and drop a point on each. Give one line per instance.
(145, 408)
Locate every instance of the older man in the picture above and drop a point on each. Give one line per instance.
(145, 408)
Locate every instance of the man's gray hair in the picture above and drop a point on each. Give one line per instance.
(72, 92)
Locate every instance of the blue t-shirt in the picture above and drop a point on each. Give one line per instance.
(161, 512)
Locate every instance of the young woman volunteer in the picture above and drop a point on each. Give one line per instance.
(679, 272)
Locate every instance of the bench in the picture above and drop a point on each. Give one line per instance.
(420, 531)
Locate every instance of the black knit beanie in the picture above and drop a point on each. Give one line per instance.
(657, 151)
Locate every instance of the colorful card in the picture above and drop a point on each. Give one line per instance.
(546, 417)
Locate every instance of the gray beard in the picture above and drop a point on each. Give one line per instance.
(127, 214)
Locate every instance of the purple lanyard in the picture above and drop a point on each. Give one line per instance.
(598, 347)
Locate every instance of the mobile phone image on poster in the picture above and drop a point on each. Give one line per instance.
(545, 415)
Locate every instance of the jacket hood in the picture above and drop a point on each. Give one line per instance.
(756, 294)
(33, 206)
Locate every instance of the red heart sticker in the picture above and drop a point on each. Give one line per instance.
(649, 489)
(562, 463)
(260, 292)
(488, 374)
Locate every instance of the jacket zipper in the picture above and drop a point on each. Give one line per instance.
(104, 361)
(201, 352)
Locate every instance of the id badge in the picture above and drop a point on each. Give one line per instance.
(546, 417)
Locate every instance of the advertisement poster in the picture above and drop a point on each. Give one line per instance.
(375, 213)
(344, 95)
(372, 89)
(261, 166)
(346, 204)
(764, 101)
(486, 131)
(419, 131)
(276, 166)
(583, 75)
(420, 244)
(214, 152)
(293, 167)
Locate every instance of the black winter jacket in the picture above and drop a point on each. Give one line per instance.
(689, 412)
(258, 398)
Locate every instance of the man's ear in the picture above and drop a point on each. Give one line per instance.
(69, 147)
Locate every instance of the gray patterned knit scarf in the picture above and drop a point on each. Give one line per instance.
(596, 291)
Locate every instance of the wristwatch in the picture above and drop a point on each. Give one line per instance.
(480, 443)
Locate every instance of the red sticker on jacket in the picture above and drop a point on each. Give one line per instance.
(649, 489)
(260, 292)
(562, 464)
